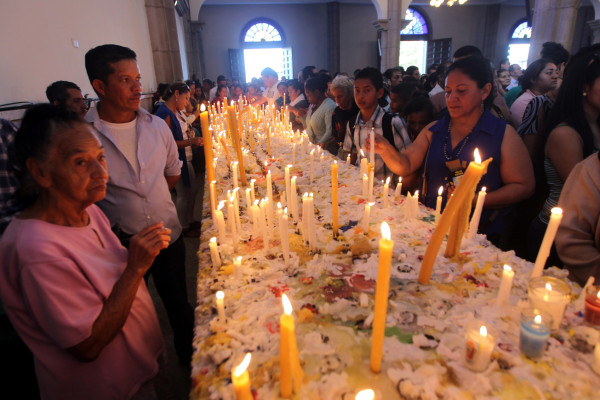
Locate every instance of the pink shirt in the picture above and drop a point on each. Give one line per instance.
(53, 282)
(518, 107)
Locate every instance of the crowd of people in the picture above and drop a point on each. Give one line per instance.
(100, 198)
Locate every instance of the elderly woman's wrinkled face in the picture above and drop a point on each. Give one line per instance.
(343, 98)
(75, 169)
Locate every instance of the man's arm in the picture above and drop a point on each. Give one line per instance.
(172, 181)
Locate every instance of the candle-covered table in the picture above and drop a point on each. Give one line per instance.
(436, 335)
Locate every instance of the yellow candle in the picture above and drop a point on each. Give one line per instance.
(241, 380)
(289, 362)
(386, 246)
(207, 138)
(463, 194)
(235, 138)
(334, 197)
(367, 394)
(544, 252)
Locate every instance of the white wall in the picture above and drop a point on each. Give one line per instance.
(303, 25)
(358, 37)
(36, 46)
(182, 47)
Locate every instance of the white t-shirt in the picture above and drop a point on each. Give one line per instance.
(126, 137)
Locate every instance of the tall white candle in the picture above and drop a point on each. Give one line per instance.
(312, 228)
(364, 168)
(372, 146)
(212, 192)
(474, 224)
(255, 213)
(294, 197)
(596, 361)
(234, 172)
(544, 252)
(214, 252)
(231, 222)
(220, 222)
(252, 192)
(505, 285)
(438, 204)
(399, 187)
(236, 204)
(366, 217)
(283, 233)
(263, 224)
(365, 186)
(237, 268)
(288, 185)
(312, 166)
(248, 202)
(371, 182)
(305, 217)
(220, 296)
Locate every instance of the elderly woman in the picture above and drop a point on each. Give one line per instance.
(445, 147)
(342, 88)
(77, 297)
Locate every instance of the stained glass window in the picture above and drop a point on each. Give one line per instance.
(417, 24)
(262, 32)
(523, 31)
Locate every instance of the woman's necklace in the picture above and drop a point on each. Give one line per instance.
(465, 140)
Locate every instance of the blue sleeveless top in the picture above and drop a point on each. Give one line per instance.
(487, 136)
(164, 112)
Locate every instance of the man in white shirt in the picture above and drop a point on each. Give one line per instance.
(515, 72)
(221, 80)
(270, 94)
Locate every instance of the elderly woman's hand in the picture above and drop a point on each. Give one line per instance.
(146, 245)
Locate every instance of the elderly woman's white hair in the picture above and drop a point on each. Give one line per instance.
(343, 82)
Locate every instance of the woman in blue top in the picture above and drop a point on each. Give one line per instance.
(445, 147)
(176, 99)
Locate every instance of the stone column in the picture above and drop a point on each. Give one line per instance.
(198, 48)
(381, 26)
(333, 37)
(163, 39)
(595, 27)
(553, 20)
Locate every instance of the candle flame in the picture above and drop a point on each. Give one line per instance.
(238, 259)
(416, 194)
(538, 319)
(312, 152)
(287, 306)
(483, 331)
(483, 189)
(240, 369)
(440, 190)
(252, 180)
(256, 202)
(202, 108)
(221, 205)
(507, 267)
(334, 161)
(399, 179)
(289, 166)
(220, 295)
(548, 287)
(387, 181)
(598, 295)
(362, 153)
(294, 178)
(285, 210)
(365, 176)
(367, 394)
(556, 211)
(477, 156)
(385, 231)
(279, 205)
(213, 240)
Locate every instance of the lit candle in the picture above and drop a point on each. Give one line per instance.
(372, 146)
(535, 331)
(269, 140)
(334, 197)
(591, 311)
(305, 217)
(214, 252)
(220, 222)
(231, 222)
(237, 268)
(462, 198)
(596, 361)
(551, 295)
(348, 159)
(366, 217)
(241, 380)
(248, 202)
(312, 166)
(505, 285)
(221, 305)
(208, 145)
(253, 191)
(212, 191)
(312, 229)
(263, 223)
(365, 186)
(289, 361)
(255, 213)
(386, 246)
(544, 252)
(371, 181)
(236, 205)
(474, 225)
(367, 394)
(399, 188)
(234, 173)
(386, 191)
(363, 164)
(438, 204)
(283, 233)
(479, 345)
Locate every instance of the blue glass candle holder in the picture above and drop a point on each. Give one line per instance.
(535, 331)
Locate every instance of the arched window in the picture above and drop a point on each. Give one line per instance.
(413, 40)
(263, 43)
(518, 43)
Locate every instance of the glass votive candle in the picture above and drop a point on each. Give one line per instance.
(591, 312)
(551, 295)
(480, 339)
(535, 331)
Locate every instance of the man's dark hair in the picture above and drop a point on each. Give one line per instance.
(532, 73)
(418, 104)
(57, 91)
(308, 72)
(371, 74)
(511, 67)
(477, 69)
(555, 52)
(316, 83)
(467, 51)
(269, 72)
(408, 90)
(295, 83)
(411, 70)
(99, 60)
(221, 78)
(390, 72)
